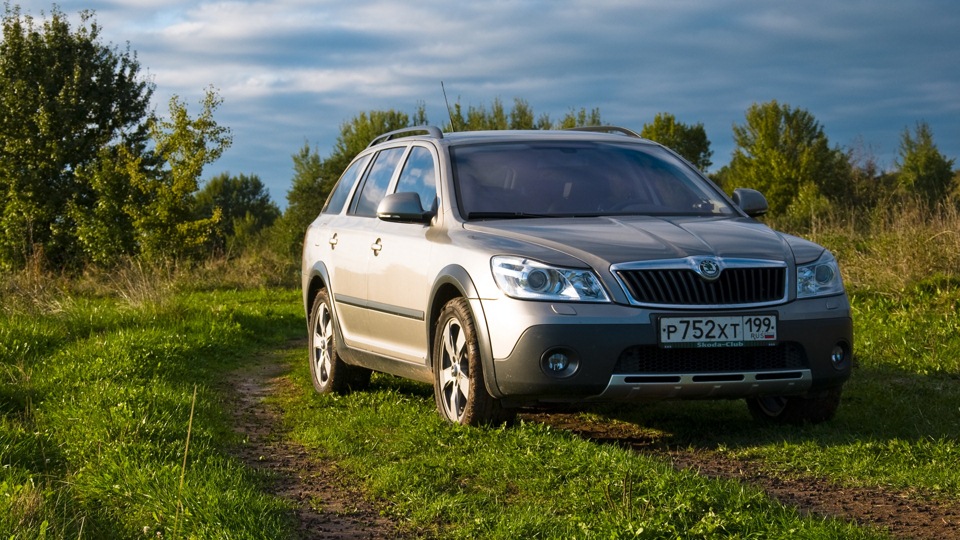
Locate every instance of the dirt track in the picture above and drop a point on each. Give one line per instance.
(330, 507)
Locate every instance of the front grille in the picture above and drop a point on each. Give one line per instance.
(684, 287)
(653, 359)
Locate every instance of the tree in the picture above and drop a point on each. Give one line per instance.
(65, 100)
(163, 216)
(245, 209)
(104, 226)
(784, 153)
(580, 118)
(478, 118)
(308, 192)
(869, 185)
(355, 135)
(689, 141)
(521, 116)
(923, 170)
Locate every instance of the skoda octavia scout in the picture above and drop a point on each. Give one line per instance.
(513, 268)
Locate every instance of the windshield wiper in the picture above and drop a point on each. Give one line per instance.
(505, 215)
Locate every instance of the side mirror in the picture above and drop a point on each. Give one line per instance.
(403, 207)
(751, 201)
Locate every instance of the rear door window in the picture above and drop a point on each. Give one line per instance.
(338, 197)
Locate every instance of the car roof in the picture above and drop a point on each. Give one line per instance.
(596, 133)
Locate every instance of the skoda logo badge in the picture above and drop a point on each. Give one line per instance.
(709, 269)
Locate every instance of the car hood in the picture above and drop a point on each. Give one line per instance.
(603, 241)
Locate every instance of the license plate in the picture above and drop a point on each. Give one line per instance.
(726, 331)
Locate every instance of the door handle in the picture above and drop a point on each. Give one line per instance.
(376, 247)
(333, 241)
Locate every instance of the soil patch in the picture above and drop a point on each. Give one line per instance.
(327, 505)
(904, 515)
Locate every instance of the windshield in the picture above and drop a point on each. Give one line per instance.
(559, 179)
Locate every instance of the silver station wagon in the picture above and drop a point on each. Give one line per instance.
(517, 268)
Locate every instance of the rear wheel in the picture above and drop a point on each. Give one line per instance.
(815, 407)
(458, 384)
(327, 371)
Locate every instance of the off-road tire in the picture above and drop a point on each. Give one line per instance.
(458, 386)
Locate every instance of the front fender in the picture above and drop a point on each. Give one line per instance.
(451, 282)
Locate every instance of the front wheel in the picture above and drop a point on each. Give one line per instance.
(815, 407)
(327, 371)
(458, 384)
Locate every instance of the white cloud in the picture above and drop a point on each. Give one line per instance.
(294, 70)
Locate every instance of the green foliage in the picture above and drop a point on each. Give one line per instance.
(79, 182)
(521, 116)
(689, 141)
(104, 226)
(869, 186)
(64, 97)
(309, 189)
(580, 118)
(245, 208)
(923, 170)
(308, 192)
(479, 119)
(356, 134)
(164, 222)
(784, 153)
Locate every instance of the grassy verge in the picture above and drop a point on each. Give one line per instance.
(96, 395)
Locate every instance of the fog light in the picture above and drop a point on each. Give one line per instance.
(559, 362)
(838, 356)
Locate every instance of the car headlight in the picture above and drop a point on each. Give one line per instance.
(821, 278)
(532, 280)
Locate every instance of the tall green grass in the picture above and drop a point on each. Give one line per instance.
(95, 400)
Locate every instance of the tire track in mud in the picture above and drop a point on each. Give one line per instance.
(902, 514)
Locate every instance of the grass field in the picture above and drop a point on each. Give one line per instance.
(97, 404)
(101, 435)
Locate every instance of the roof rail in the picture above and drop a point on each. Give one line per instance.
(608, 129)
(432, 131)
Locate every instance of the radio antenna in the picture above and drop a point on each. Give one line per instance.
(453, 125)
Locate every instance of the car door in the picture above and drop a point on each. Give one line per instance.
(352, 237)
(399, 270)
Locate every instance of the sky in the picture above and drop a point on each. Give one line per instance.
(292, 72)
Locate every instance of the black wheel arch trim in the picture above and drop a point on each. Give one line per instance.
(456, 276)
(319, 279)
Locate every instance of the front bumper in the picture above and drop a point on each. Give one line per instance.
(621, 361)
